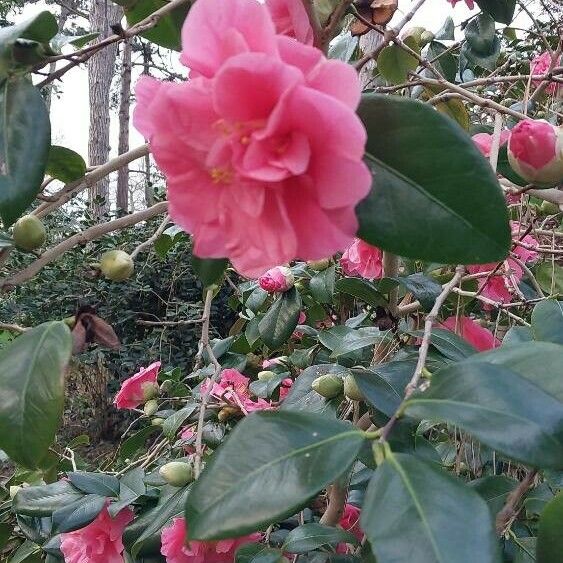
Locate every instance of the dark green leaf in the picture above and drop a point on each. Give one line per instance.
(414, 153)
(482, 45)
(27, 552)
(258, 553)
(322, 285)
(65, 164)
(313, 536)
(173, 422)
(444, 61)
(289, 457)
(394, 63)
(209, 270)
(446, 32)
(550, 539)
(499, 407)
(504, 168)
(356, 339)
(494, 489)
(277, 325)
(95, 483)
(5, 533)
(425, 289)
(45, 499)
(78, 514)
(547, 321)
(501, 11)
(517, 335)
(415, 510)
(135, 442)
(448, 343)
(32, 391)
(361, 289)
(25, 138)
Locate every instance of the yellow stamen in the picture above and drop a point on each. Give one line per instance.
(221, 175)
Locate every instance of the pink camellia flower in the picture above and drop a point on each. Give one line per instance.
(479, 337)
(176, 549)
(350, 521)
(262, 149)
(138, 388)
(470, 3)
(297, 334)
(484, 141)
(277, 280)
(523, 250)
(98, 542)
(188, 434)
(285, 387)
(540, 66)
(535, 151)
(362, 259)
(290, 18)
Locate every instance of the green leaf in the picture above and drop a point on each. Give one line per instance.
(277, 325)
(95, 483)
(209, 270)
(482, 43)
(313, 536)
(302, 397)
(78, 514)
(174, 421)
(504, 168)
(547, 321)
(550, 277)
(167, 32)
(446, 32)
(499, 407)
(356, 339)
(27, 552)
(361, 289)
(322, 285)
(78, 41)
(135, 442)
(45, 499)
(65, 164)
(445, 62)
(415, 510)
(517, 335)
(32, 391)
(414, 152)
(131, 487)
(501, 11)
(448, 343)
(258, 553)
(394, 63)
(425, 289)
(494, 489)
(25, 138)
(288, 458)
(550, 539)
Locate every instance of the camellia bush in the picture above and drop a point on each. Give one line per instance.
(387, 224)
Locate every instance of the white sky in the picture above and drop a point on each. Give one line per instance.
(69, 111)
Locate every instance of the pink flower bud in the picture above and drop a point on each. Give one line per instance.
(277, 280)
(540, 65)
(484, 141)
(535, 151)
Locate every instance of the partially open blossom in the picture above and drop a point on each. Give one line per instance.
(540, 66)
(350, 521)
(262, 149)
(176, 549)
(478, 336)
(277, 280)
(362, 259)
(470, 3)
(484, 141)
(535, 151)
(138, 388)
(290, 18)
(98, 542)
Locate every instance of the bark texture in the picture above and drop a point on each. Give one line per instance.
(123, 142)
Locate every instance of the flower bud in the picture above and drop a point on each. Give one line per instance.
(29, 233)
(157, 421)
(166, 386)
(277, 280)
(116, 265)
(70, 321)
(226, 412)
(150, 407)
(14, 490)
(319, 265)
(150, 390)
(535, 151)
(266, 375)
(351, 389)
(328, 385)
(425, 37)
(177, 473)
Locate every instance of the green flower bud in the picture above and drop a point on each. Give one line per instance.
(150, 389)
(177, 473)
(29, 233)
(157, 421)
(319, 265)
(351, 389)
(328, 385)
(116, 265)
(166, 386)
(70, 321)
(150, 407)
(426, 37)
(266, 375)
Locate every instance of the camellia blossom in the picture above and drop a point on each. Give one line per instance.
(362, 259)
(277, 280)
(98, 542)
(539, 66)
(262, 149)
(285, 387)
(470, 3)
(290, 18)
(478, 336)
(188, 434)
(134, 390)
(350, 521)
(535, 151)
(176, 550)
(484, 141)
(297, 334)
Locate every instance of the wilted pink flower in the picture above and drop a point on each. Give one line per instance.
(277, 280)
(540, 66)
(290, 18)
(98, 542)
(297, 334)
(500, 286)
(177, 550)
(285, 387)
(479, 337)
(350, 521)
(135, 390)
(535, 151)
(525, 254)
(362, 259)
(484, 141)
(188, 434)
(470, 3)
(261, 149)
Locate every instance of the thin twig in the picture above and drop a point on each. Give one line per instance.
(509, 511)
(152, 238)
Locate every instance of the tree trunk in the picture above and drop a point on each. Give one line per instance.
(149, 191)
(123, 143)
(103, 14)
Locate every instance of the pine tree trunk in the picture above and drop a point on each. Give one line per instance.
(123, 143)
(101, 67)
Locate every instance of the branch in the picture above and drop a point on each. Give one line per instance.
(181, 322)
(336, 503)
(315, 23)
(13, 327)
(152, 238)
(509, 512)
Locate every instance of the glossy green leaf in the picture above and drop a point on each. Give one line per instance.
(494, 489)
(414, 152)
(258, 553)
(65, 164)
(501, 11)
(448, 343)
(78, 514)
(482, 43)
(313, 536)
(547, 321)
(425, 289)
(499, 407)
(549, 547)
(289, 457)
(550, 277)
(394, 63)
(32, 391)
(415, 511)
(209, 270)
(322, 285)
(446, 32)
(356, 339)
(43, 500)
(136, 441)
(174, 421)
(25, 138)
(277, 325)
(444, 61)
(27, 552)
(361, 289)
(95, 483)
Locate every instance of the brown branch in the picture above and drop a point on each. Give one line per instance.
(509, 512)
(13, 327)
(336, 502)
